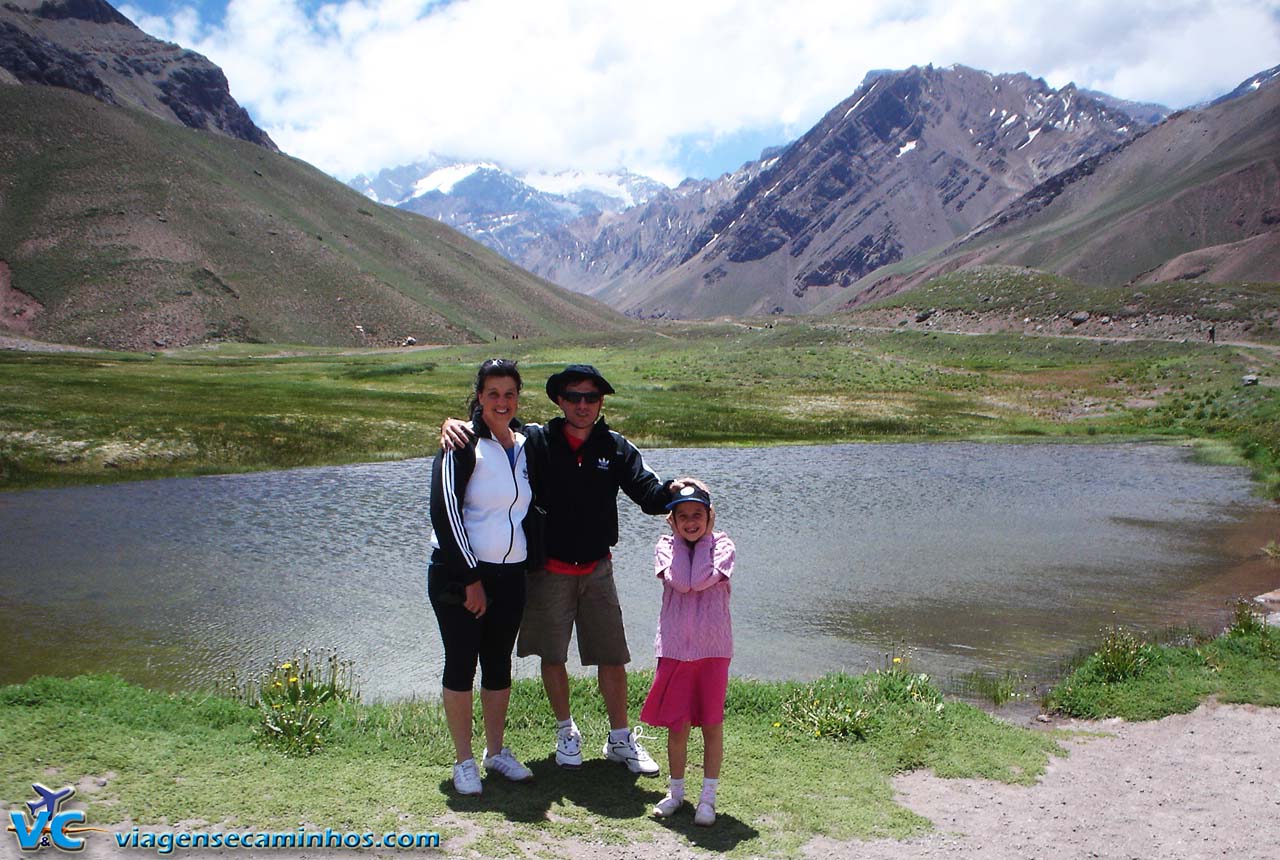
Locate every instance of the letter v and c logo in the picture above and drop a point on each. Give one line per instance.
(51, 820)
(30, 832)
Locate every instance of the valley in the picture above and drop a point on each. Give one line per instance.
(92, 417)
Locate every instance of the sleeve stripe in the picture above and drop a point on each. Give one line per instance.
(644, 467)
(454, 512)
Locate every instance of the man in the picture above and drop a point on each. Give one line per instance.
(576, 466)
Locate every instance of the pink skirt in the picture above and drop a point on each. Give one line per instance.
(687, 693)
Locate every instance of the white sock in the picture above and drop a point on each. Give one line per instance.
(564, 724)
(618, 735)
(676, 789)
(709, 786)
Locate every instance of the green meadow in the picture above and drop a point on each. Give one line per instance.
(158, 757)
(802, 760)
(70, 418)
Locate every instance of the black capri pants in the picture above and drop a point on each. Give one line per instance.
(489, 639)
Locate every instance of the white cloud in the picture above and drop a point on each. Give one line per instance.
(357, 85)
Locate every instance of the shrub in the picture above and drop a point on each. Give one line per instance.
(1122, 656)
(1247, 620)
(291, 695)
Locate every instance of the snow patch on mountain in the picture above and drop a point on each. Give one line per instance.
(444, 179)
(629, 189)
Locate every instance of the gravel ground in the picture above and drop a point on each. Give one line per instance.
(1198, 785)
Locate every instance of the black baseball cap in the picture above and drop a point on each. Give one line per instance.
(689, 493)
(575, 373)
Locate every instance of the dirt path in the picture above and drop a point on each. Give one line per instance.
(1205, 784)
(1198, 785)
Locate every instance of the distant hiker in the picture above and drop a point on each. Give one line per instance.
(576, 466)
(1213, 332)
(694, 643)
(480, 494)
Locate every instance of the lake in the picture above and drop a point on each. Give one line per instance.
(970, 557)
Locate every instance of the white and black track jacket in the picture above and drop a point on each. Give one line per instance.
(478, 504)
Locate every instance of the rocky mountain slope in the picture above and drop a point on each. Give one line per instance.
(90, 47)
(118, 229)
(1197, 197)
(910, 161)
(503, 209)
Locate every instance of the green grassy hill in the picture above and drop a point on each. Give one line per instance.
(120, 230)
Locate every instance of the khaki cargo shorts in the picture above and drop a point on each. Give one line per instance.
(556, 601)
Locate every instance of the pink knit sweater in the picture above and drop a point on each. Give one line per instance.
(694, 622)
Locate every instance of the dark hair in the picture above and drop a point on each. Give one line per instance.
(492, 367)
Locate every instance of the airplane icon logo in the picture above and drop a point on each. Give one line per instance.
(48, 824)
(49, 799)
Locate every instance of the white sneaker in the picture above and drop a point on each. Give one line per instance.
(704, 815)
(630, 753)
(569, 746)
(668, 806)
(508, 765)
(466, 777)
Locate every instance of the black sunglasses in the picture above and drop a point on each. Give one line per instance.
(582, 396)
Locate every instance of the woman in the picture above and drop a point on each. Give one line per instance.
(479, 497)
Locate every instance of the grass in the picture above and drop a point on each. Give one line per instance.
(183, 757)
(1139, 680)
(1041, 295)
(803, 759)
(69, 418)
(998, 688)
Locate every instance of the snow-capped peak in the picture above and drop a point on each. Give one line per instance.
(445, 178)
(629, 188)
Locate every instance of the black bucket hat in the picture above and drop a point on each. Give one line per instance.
(575, 373)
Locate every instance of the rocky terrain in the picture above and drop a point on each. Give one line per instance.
(1195, 198)
(88, 46)
(911, 160)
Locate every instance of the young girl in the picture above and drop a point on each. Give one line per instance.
(694, 642)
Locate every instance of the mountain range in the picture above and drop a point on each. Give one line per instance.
(503, 209)
(1195, 197)
(125, 223)
(140, 206)
(911, 160)
(912, 163)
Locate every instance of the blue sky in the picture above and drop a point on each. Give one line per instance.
(669, 88)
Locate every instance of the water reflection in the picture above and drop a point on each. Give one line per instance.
(975, 556)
